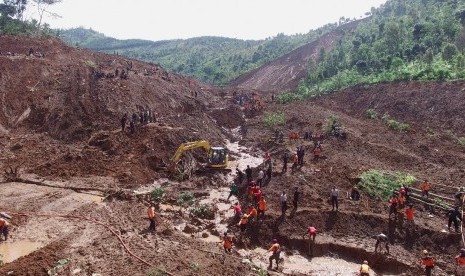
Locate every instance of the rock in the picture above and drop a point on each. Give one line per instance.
(204, 235)
(189, 229)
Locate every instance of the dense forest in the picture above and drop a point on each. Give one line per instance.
(215, 60)
(402, 40)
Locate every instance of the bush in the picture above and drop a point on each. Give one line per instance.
(203, 211)
(380, 185)
(185, 198)
(396, 125)
(157, 194)
(273, 119)
(331, 123)
(372, 114)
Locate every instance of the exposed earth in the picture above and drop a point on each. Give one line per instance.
(82, 187)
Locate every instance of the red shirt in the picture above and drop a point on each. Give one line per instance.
(311, 230)
(237, 209)
(409, 213)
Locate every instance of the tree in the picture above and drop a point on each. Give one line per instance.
(449, 52)
(13, 8)
(42, 8)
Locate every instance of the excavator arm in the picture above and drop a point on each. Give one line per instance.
(185, 147)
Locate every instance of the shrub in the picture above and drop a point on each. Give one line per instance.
(157, 194)
(273, 119)
(380, 185)
(396, 125)
(203, 211)
(372, 114)
(331, 123)
(185, 198)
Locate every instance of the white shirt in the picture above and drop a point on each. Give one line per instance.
(334, 192)
(283, 198)
(261, 174)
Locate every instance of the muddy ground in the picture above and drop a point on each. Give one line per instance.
(64, 132)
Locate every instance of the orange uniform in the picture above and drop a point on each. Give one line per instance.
(151, 212)
(425, 186)
(252, 212)
(262, 205)
(227, 243)
(409, 214)
(274, 248)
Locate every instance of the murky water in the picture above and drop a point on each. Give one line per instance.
(298, 264)
(11, 251)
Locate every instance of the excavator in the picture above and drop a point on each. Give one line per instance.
(217, 156)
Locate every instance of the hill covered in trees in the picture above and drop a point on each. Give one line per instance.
(402, 40)
(215, 60)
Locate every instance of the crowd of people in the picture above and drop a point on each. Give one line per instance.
(141, 118)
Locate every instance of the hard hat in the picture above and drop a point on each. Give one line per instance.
(274, 240)
(365, 262)
(425, 251)
(462, 250)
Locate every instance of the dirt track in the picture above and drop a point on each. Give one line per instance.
(70, 136)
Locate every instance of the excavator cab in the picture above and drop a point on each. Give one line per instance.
(217, 157)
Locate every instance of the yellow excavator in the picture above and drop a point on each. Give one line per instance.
(217, 156)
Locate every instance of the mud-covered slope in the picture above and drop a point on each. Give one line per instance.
(285, 72)
(61, 109)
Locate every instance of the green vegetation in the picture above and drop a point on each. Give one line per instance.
(195, 266)
(459, 140)
(185, 198)
(12, 21)
(372, 114)
(203, 211)
(273, 119)
(157, 194)
(380, 185)
(331, 124)
(401, 40)
(59, 263)
(216, 60)
(396, 125)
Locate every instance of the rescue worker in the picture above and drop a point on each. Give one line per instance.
(233, 190)
(252, 212)
(151, 216)
(261, 207)
(123, 121)
(285, 161)
(382, 238)
(269, 171)
(365, 269)
(425, 187)
(276, 251)
(296, 198)
(429, 262)
(4, 228)
(393, 206)
(355, 193)
(283, 200)
(237, 211)
(248, 173)
(460, 260)
(260, 177)
(240, 176)
(295, 162)
(311, 232)
(454, 217)
(267, 159)
(317, 152)
(258, 196)
(243, 222)
(227, 242)
(409, 215)
(459, 196)
(334, 193)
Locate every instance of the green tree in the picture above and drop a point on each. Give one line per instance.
(449, 52)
